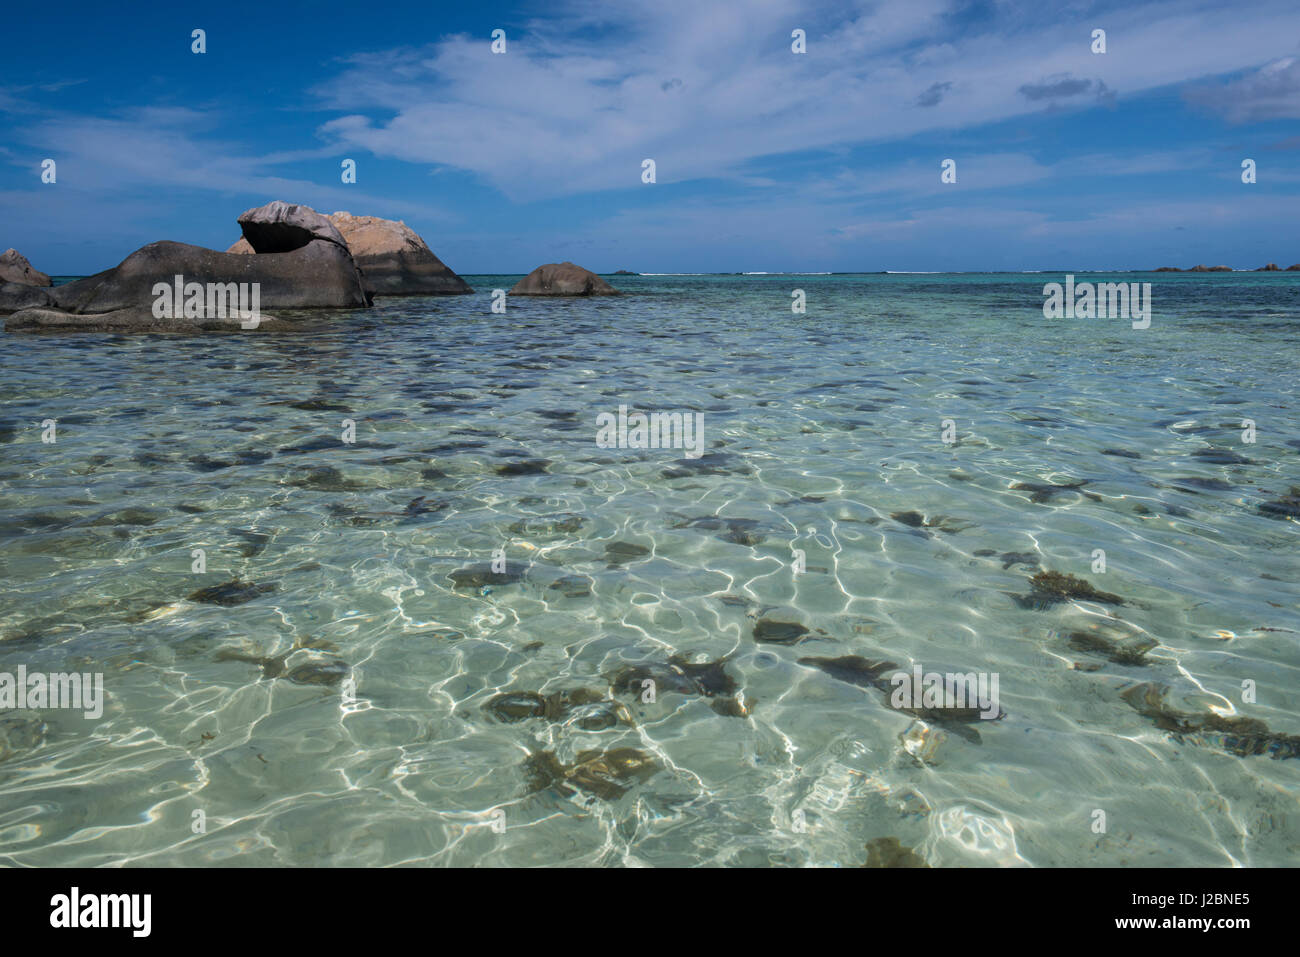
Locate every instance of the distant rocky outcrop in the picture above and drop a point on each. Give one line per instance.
(562, 279)
(14, 267)
(1167, 269)
(1295, 268)
(1210, 269)
(1271, 267)
(393, 259)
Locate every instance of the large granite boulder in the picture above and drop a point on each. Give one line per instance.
(18, 295)
(280, 227)
(562, 279)
(317, 275)
(393, 259)
(14, 267)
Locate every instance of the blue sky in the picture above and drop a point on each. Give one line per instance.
(765, 160)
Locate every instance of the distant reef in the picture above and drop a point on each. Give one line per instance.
(1271, 267)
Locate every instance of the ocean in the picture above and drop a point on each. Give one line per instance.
(374, 594)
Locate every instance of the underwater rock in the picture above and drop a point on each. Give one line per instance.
(620, 553)
(738, 531)
(482, 573)
(590, 710)
(564, 523)
(1050, 588)
(1221, 457)
(20, 733)
(944, 523)
(319, 405)
(324, 478)
(607, 775)
(524, 467)
(1122, 453)
(1195, 481)
(1046, 492)
(1285, 507)
(855, 670)
(777, 632)
(708, 679)
(326, 673)
(228, 594)
(713, 463)
(866, 673)
(573, 586)
(1121, 649)
(1238, 735)
(889, 852)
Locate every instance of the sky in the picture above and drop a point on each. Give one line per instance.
(765, 159)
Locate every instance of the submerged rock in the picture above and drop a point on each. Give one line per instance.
(866, 673)
(944, 523)
(1121, 649)
(889, 852)
(231, 593)
(777, 632)
(708, 679)
(137, 319)
(1285, 507)
(1236, 735)
(326, 673)
(482, 574)
(590, 710)
(621, 553)
(737, 531)
(562, 279)
(1050, 588)
(1046, 492)
(607, 775)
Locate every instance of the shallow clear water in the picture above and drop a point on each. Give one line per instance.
(820, 428)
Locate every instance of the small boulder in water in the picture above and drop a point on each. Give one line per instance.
(231, 593)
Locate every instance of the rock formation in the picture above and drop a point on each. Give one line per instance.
(562, 279)
(14, 267)
(303, 263)
(393, 259)
(17, 295)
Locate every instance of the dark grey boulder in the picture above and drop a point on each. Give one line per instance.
(562, 279)
(318, 275)
(19, 295)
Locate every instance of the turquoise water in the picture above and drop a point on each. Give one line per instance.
(373, 742)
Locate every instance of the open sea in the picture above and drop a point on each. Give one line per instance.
(430, 645)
